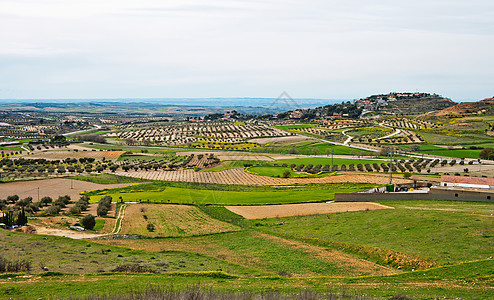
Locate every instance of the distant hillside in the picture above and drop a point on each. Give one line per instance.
(482, 107)
(405, 103)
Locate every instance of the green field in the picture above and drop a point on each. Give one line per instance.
(458, 153)
(66, 255)
(454, 138)
(466, 281)
(449, 232)
(335, 251)
(326, 161)
(319, 148)
(161, 193)
(279, 171)
(11, 148)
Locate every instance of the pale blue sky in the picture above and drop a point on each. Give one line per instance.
(227, 48)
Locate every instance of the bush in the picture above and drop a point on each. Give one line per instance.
(88, 222)
(53, 210)
(75, 210)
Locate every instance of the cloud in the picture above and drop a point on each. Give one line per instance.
(316, 48)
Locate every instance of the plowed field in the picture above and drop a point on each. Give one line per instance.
(290, 210)
(239, 176)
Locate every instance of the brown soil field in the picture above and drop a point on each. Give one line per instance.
(349, 265)
(52, 188)
(170, 221)
(239, 176)
(63, 154)
(238, 155)
(290, 210)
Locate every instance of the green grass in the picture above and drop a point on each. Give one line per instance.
(138, 157)
(100, 223)
(454, 138)
(449, 232)
(232, 164)
(278, 172)
(317, 147)
(66, 255)
(474, 281)
(295, 126)
(105, 178)
(458, 153)
(326, 161)
(11, 148)
(162, 193)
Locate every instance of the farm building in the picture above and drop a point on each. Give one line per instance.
(467, 182)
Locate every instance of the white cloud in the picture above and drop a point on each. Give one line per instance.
(313, 48)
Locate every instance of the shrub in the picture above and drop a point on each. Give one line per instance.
(53, 210)
(75, 210)
(88, 222)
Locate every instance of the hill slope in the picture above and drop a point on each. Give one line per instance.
(485, 106)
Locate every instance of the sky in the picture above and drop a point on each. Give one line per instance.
(323, 49)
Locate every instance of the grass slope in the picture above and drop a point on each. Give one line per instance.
(449, 232)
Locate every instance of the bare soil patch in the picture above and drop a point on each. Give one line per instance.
(66, 233)
(290, 210)
(52, 188)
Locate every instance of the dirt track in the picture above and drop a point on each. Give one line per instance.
(51, 187)
(239, 176)
(290, 210)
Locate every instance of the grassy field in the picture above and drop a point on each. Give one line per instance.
(279, 171)
(326, 161)
(449, 232)
(232, 164)
(454, 138)
(466, 281)
(162, 193)
(11, 148)
(272, 255)
(138, 157)
(458, 153)
(171, 221)
(313, 252)
(66, 255)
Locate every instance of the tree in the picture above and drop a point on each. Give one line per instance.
(414, 147)
(13, 198)
(88, 222)
(487, 153)
(46, 200)
(21, 218)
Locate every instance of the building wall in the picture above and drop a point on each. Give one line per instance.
(435, 193)
(466, 185)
